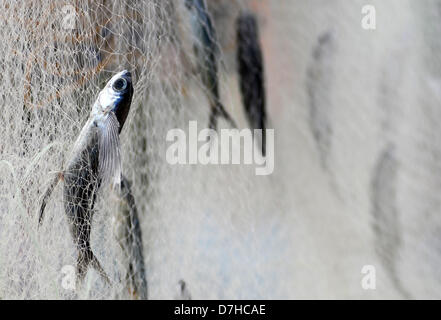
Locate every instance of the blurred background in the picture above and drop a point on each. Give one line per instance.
(357, 176)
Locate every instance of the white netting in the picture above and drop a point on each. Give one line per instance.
(356, 179)
(58, 56)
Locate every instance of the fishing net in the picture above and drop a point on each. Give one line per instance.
(356, 174)
(58, 56)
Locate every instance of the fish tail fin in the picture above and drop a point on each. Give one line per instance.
(85, 259)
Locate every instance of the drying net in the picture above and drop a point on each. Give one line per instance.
(356, 179)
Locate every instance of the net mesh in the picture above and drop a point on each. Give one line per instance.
(58, 56)
(356, 158)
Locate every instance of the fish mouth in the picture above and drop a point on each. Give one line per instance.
(125, 74)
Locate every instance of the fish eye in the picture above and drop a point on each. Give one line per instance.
(120, 84)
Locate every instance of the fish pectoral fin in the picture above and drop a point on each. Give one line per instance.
(109, 159)
(48, 193)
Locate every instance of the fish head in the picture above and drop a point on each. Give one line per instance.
(198, 5)
(108, 116)
(116, 97)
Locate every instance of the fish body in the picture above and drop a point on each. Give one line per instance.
(81, 184)
(206, 51)
(95, 160)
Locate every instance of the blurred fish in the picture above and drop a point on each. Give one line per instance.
(206, 51)
(386, 216)
(320, 76)
(95, 160)
(251, 72)
(183, 292)
(129, 236)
